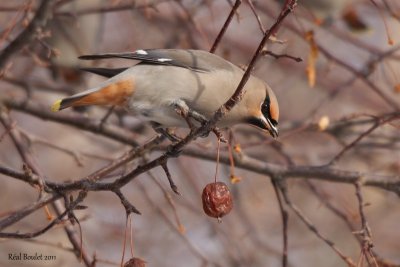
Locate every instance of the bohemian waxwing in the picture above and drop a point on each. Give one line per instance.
(167, 79)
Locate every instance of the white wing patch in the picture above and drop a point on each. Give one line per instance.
(163, 59)
(141, 52)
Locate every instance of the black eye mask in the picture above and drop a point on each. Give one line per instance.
(266, 111)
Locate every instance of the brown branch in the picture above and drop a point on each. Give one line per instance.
(278, 56)
(11, 8)
(129, 208)
(23, 212)
(313, 229)
(207, 127)
(92, 182)
(225, 26)
(378, 123)
(95, 9)
(33, 179)
(131, 155)
(28, 35)
(170, 180)
(113, 8)
(323, 173)
(195, 25)
(285, 221)
(170, 201)
(38, 85)
(73, 119)
(54, 222)
(32, 139)
(349, 224)
(195, 251)
(173, 150)
(253, 9)
(362, 75)
(238, 94)
(392, 12)
(30, 162)
(365, 232)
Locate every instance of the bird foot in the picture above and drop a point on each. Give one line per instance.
(166, 132)
(187, 113)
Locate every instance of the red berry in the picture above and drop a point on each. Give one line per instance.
(135, 262)
(217, 200)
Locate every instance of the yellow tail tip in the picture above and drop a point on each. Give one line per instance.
(56, 106)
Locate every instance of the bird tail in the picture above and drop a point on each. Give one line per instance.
(111, 94)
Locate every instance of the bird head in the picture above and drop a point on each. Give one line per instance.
(267, 113)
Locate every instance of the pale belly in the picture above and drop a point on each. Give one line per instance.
(164, 115)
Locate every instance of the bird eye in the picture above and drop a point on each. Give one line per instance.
(266, 111)
(265, 108)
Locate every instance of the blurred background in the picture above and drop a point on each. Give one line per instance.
(349, 73)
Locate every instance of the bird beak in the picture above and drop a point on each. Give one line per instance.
(269, 126)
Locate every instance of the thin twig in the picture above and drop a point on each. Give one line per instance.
(73, 119)
(312, 228)
(365, 232)
(23, 212)
(285, 221)
(253, 9)
(278, 56)
(185, 239)
(169, 177)
(225, 26)
(129, 208)
(54, 222)
(170, 201)
(379, 122)
(28, 34)
(30, 162)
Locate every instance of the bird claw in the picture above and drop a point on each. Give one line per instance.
(187, 113)
(168, 133)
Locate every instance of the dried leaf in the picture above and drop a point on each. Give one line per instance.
(312, 59)
(235, 179)
(318, 21)
(385, 23)
(237, 148)
(323, 123)
(181, 229)
(397, 88)
(49, 215)
(353, 20)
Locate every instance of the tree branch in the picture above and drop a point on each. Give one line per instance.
(28, 35)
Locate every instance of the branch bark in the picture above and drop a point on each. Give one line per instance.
(25, 37)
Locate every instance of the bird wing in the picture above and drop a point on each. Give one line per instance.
(105, 72)
(195, 60)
